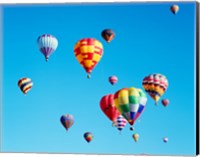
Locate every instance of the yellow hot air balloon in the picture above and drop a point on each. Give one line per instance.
(155, 85)
(136, 137)
(88, 52)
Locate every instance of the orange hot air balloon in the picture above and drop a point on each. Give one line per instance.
(88, 52)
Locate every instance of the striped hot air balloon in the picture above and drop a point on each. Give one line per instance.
(25, 84)
(47, 44)
(88, 52)
(120, 122)
(155, 85)
(130, 102)
(67, 121)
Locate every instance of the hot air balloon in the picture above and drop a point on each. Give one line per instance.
(120, 122)
(108, 107)
(130, 102)
(165, 139)
(25, 84)
(67, 121)
(174, 9)
(47, 44)
(155, 85)
(88, 52)
(108, 35)
(88, 136)
(113, 79)
(136, 137)
(165, 102)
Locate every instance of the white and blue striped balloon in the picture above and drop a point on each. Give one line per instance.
(47, 44)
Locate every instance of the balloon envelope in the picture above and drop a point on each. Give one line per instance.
(155, 85)
(25, 84)
(88, 52)
(165, 139)
(88, 136)
(108, 34)
(165, 102)
(136, 137)
(67, 121)
(47, 44)
(108, 107)
(174, 9)
(130, 102)
(120, 122)
(113, 79)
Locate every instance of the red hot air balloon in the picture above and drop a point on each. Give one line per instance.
(165, 102)
(113, 79)
(108, 107)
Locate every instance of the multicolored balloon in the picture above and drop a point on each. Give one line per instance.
(88, 52)
(25, 84)
(120, 122)
(108, 107)
(67, 121)
(165, 139)
(88, 136)
(136, 137)
(47, 44)
(174, 9)
(165, 102)
(130, 102)
(113, 79)
(155, 85)
(108, 35)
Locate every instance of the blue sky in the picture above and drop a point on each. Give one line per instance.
(149, 39)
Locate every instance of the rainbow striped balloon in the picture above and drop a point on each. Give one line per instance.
(25, 84)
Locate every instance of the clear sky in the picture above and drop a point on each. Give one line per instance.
(149, 39)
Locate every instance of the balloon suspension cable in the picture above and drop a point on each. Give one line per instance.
(113, 124)
(88, 76)
(156, 103)
(131, 128)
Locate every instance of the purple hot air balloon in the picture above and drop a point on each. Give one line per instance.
(113, 79)
(165, 102)
(47, 44)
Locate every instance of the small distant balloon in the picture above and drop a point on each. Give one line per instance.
(47, 44)
(136, 137)
(108, 35)
(174, 9)
(88, 136)
(165, 139)
(113, 79)
(25, 84)
(165, 102)
(67, 121)
(120, 122)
